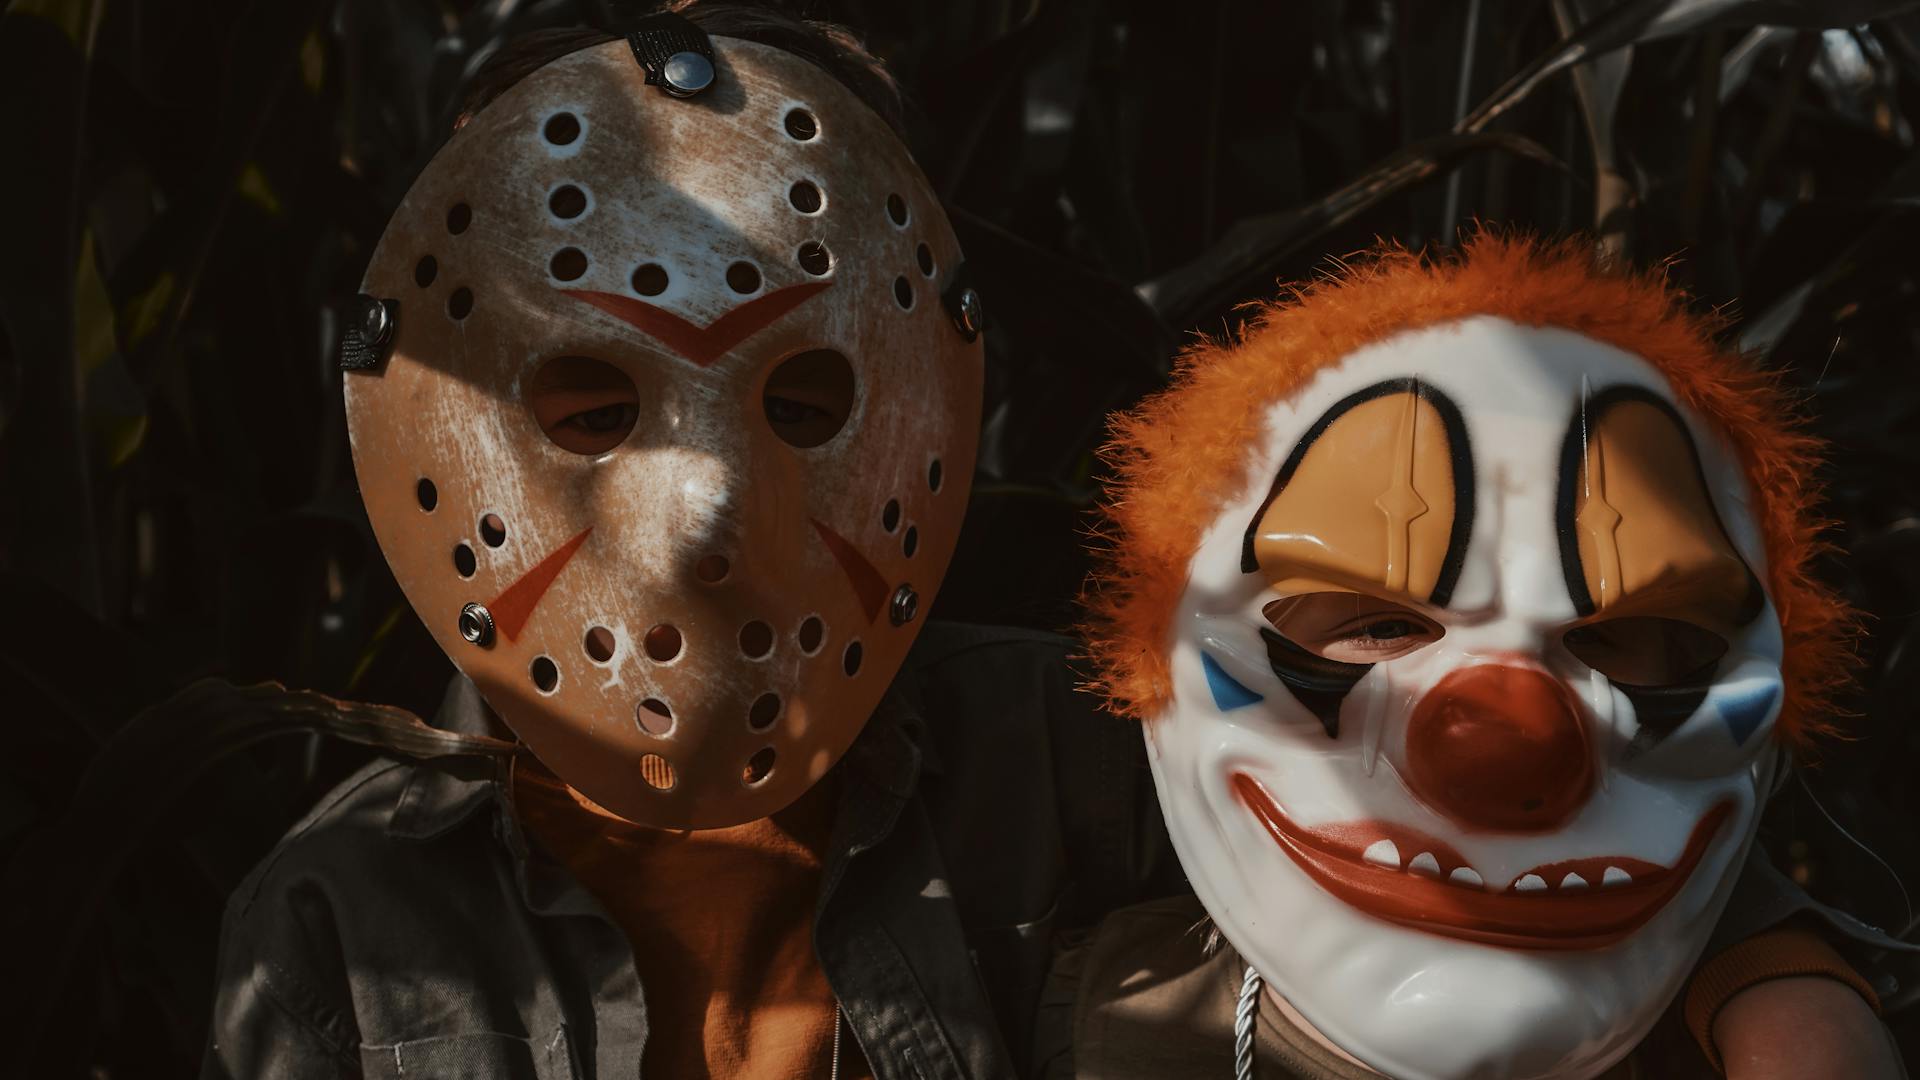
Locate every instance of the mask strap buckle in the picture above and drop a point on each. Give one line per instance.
(677, 55)
(369, 334)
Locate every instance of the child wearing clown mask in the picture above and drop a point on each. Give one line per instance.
(1467, 608)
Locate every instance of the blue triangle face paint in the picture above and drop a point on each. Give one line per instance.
(1228, 694)
(1744, 712)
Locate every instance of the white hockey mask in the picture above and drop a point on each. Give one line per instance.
(673, 437)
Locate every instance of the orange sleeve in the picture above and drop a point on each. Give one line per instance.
(1778, 953)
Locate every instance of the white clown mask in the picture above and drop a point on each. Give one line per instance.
(1469, 694)
(671, 440)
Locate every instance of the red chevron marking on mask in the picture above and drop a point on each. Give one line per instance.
(867, 583)
(701, 344)
(513, 607)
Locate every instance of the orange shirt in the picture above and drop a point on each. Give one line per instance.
(721, 922)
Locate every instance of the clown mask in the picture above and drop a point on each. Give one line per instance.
(1460, 681)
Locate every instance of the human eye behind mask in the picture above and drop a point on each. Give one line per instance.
(585, 406)
(1351, 628)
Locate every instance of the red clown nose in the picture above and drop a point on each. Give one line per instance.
(1499, 748)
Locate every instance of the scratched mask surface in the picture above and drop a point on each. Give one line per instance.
(1471, 689)
(692, 624)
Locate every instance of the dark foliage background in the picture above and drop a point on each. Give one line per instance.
(193, 189)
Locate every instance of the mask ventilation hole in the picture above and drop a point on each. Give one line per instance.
(765, 710)
(658, 774)
(650, 279)
(654, 717)
(903, 293)
(934, 475)
(924, 256)
(425, 271)
(546, 674)
(562, 128)
(493, 531)
(460, 303)
(567, 202)
(743, 278)
(815, 259)
(712, 569)
(890, 516)
(427, 494)
(850, 661)
(801, 125)
(568, 264)
(756, 640)
(463, 561)
(812, 633)
(910, 543)
(897, 210)
(599, 644)
(459, 216)
(758, 766)
(663, 643)
(805, 196)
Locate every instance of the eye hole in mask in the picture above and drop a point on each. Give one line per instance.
(1351, 628)
(809, 397)
(1322, 644)
(585, 406)
(1663, 666)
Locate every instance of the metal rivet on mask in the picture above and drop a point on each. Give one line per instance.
(476, 625)
(676, 53)
(686, 74)
(369, 333)
(969, 315)
(906, 604)
(375, 319)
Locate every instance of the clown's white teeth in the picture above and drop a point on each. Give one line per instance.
(1530, 883)
(1615, 876)
(1464, 875)
(1425, 863)
(1382, 852)
(1573, 881)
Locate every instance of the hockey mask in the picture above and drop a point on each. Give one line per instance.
(672, 432)
(1465, 667)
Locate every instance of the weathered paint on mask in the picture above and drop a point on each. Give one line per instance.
(692, 626)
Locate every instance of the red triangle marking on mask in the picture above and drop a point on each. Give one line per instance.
(512, 608)
(701, 344)
(868, 585)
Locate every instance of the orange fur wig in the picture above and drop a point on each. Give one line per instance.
(1180, 456)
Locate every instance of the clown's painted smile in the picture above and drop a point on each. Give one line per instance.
(1584, 903)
